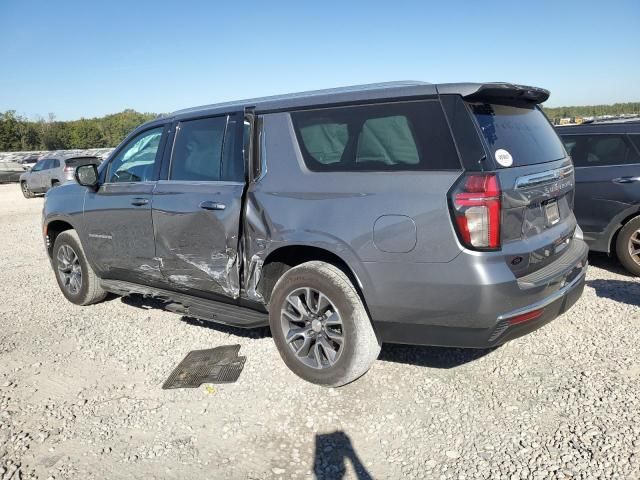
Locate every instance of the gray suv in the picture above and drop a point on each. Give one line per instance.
(607, 162)
(50, 172)
(403, 212)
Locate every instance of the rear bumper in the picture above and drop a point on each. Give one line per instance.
(484, 314)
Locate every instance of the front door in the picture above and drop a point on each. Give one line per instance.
(117, 217)
(34, 179)
(197, 209)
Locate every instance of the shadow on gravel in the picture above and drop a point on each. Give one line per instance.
(433, 357)
(332, 449)
(148, 303)
(618, 290)
(608, 262)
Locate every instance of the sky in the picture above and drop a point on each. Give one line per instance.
(78, 58)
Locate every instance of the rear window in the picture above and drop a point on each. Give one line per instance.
(392, 136)
(77, 161)
(520, 135)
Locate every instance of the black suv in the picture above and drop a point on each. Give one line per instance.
(606, 157)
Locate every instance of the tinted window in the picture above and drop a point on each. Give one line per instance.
(55, 163)
(636, 140)
(594, 150)
(392, 136)
(522, 131)
(38, 166)
(197, 151)
(464, 131)
(136, 161)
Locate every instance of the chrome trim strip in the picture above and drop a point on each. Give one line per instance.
(548, 300)
(543, 177)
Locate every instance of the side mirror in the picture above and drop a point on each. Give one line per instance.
(87, 176)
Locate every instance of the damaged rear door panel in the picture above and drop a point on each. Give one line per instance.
(197, 207)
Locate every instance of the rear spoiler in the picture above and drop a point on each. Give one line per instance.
(496, 92)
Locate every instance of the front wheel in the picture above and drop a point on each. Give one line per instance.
(25, 190)
(320, 325)
(76, 279)
(628, 246)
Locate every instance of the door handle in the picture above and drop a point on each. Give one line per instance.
(209, 205)
(138, 202)
(626, 180)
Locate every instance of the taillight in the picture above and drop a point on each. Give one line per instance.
(476, 210)
(68, 169)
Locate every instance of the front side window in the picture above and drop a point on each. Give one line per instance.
(382, 137)
(136, 161)
(197, 150)
(38, 166)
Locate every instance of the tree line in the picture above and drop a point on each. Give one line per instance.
(20, 134)
(555, 114)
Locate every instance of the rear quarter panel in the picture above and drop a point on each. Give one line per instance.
(337, 211)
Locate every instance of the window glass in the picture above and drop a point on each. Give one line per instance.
(635, 138)
(38, 166)
(522, 131)
(136, 161)
(570, 145)
(464, 132)
(197, 150)
(55, 163)
(594, 150)
(391, 136)
(325, 141)
(232, 157)
(388, 140)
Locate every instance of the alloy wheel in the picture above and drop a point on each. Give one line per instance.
(69, 269)
(634, 246)
(313, 328)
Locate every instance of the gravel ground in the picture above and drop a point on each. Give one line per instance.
(80, 392)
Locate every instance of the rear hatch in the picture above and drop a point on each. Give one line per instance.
(535, 179)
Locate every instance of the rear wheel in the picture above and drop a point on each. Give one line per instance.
(628, 246)
(320, 326)
(76, 279)
(55, 183)
(25, 190)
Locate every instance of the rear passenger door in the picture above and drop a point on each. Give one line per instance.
(607, 177)
(197, 206)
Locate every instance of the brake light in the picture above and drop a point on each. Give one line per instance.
(476, 210)
(68, 169)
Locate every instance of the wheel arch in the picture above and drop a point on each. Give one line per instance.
(52, 229)
(283, 258)
(619, 222)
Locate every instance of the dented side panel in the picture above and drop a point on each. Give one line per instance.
(197, 248)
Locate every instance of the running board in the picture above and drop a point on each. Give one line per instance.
(189, 305)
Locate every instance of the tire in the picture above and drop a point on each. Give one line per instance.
(69, 259)
(628, 238)
(336, 318)
(25, 190)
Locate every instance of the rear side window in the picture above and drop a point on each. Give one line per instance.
(392, 136)
(597, 150)
(522, 131)
(197, 151)
(635, 138)
(55, 163)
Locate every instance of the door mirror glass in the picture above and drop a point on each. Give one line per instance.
(87, 175)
